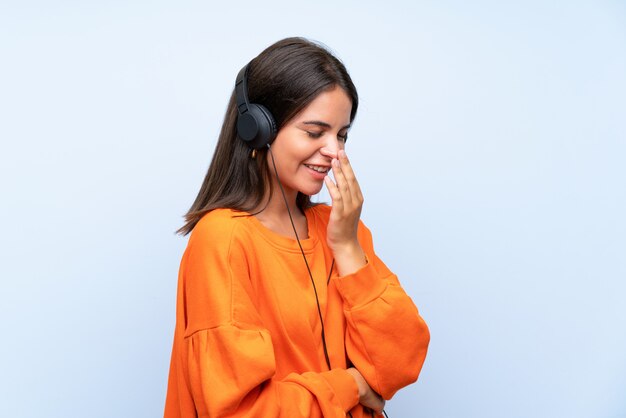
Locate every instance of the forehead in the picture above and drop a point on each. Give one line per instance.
(331, 106)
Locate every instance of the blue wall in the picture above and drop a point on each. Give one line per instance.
(490, 144)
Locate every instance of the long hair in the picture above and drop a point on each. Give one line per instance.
(284, 78)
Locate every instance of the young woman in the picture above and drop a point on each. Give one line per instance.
(283, 308)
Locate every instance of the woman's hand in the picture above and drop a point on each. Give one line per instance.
(367, 397)
(344, 216)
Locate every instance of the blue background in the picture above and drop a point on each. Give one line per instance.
(490, 144)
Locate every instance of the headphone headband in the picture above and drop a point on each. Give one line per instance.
(241, 90)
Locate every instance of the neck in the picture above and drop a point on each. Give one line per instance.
(274, 215)
(274, 205)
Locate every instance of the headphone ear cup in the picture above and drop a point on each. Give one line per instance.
(270, 125)
(257, 126)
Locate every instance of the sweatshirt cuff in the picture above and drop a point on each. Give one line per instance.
(361, 287)
(344, 386)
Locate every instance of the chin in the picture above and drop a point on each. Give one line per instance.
(311, 190)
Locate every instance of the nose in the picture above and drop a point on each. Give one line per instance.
(331, 146)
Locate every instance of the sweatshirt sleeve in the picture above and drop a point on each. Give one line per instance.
(386, 338)
(228, 353)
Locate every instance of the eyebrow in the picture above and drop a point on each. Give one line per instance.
(322, 124)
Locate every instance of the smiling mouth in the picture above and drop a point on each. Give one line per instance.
(318, 168)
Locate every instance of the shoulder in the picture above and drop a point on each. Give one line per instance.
(218, 226)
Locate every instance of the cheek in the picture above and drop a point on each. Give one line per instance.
(287, 142)
(300, 150)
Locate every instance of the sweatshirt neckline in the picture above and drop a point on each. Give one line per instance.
(286, 243)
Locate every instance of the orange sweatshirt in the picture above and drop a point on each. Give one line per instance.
(248, 340)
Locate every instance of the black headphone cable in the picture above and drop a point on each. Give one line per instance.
(319, 309)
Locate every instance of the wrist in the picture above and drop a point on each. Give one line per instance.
(360, 381)
(349, 258)
(350, 250)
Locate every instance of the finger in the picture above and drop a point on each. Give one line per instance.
(342, 183)
(378, 409)
(335, 194)
(350, 177)
(379, 403)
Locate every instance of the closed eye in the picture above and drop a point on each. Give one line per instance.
(314, 135)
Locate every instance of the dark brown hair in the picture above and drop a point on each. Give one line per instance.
(284, 78)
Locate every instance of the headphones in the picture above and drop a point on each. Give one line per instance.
(255, 124)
